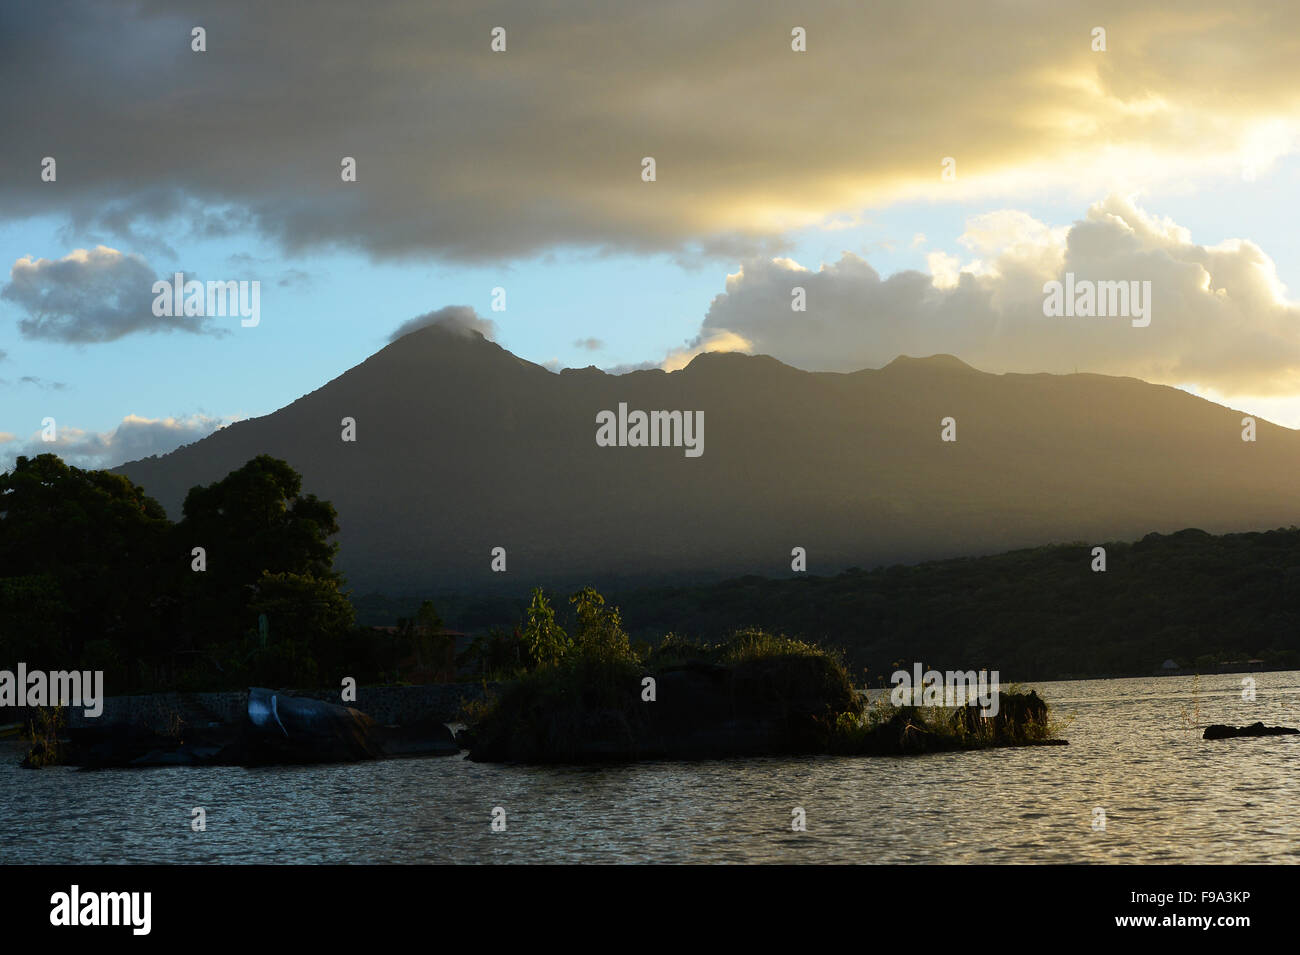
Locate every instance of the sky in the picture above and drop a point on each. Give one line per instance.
(920, 170)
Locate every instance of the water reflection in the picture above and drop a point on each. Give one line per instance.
(1168, 796)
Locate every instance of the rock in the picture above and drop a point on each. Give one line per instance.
(428, 737)
(278, 729)
(282, 729)
(1222, 731)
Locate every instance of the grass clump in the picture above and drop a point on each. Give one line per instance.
(884, 727)
(43, 731)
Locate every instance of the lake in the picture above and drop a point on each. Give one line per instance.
(1168, 796)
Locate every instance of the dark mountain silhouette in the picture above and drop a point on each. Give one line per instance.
(462, 447)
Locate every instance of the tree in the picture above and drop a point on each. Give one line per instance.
(257, 519)
(545, 641)
(93, 572)
(254, 521)
(80, 560)
(600, 628)
(435, 651)
(309, 621)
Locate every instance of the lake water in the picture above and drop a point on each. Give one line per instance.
(1168, 796)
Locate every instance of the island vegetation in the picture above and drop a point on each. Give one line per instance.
(596, 696)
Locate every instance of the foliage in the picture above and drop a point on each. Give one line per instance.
(883, 727)
(545, 641)
(66, 538)
(43, 732)
(1031, 614)
(94, 576)
(496, 655)
(590, 700)
(600, 628)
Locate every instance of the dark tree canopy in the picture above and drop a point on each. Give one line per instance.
(79, 558)
(94, 575)
(256, 519)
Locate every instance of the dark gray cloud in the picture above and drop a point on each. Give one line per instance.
(291, 277)
(95, 295)
(42, 383)
(452, 316)
(469, 154)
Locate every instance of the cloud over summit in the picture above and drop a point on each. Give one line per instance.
(461, 318)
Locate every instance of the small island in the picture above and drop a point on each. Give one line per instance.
(596, 698)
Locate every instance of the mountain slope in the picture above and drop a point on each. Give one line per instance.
(462, 447)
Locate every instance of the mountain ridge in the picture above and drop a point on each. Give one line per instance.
(462, 447)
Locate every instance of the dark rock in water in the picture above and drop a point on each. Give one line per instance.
(277, 729)
(1221, 731)
(284, 729)
(116, 746)
(428, 737)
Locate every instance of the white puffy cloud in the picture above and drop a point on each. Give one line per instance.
(1220, 318)
(90, 295)
(136, 437)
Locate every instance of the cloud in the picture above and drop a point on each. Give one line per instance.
(95, 295)
(590, 344)
(717, 340)
(42, 383)
(678, 358)
(292, 277)
(134, 438)
(468, 154)
(1220, 317)
(629, 367)
(459, 317)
